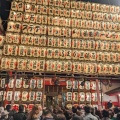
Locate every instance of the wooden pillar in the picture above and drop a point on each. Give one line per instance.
(15, 77)
(118, 97)
(98, 95)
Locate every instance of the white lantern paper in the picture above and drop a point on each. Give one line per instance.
(93, 85)
(24, 96)
(69, 96)
(17, 95)
(75, 96)
(2, 83)
(18, 83)
(40, 83)
(88, 96)
(75, 84)
(38, 96)
(87, 85)
(32, 83)
(9, 96)
(94, 97)
(32, 96)
(25, 85)
(82, 96)
(69, 84)
(11, 83)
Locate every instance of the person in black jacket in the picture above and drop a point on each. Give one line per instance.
(20, 115)
(109, 104)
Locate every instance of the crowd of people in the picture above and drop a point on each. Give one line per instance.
(59, 113)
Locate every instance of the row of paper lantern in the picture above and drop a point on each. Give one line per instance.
(19, 5)
(65, 13)
(82, 96)
(75, 84)
(38, 83)
(71, 13)
(40, 52)
(24, 39)
(61, 21)
(59, 66)
(19, 83)
(23, 96)
(60, 31)
(37, 96)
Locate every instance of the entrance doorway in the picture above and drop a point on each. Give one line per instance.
(53, 95)
(51, 100)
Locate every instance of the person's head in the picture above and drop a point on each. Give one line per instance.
(21, 108)
(8, 108)
(105, 113)
(74, 109)
(60, 117)
(110, 101)
(79, 113)
(55, 110)
(47, 114)
(78, 108)
(87, 109)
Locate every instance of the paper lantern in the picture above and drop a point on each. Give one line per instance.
(17, 96)
(9, 95)
(39, 83)
(69, 96)
(38, 96)
(32, 83)
(11, 83)
(68, 84)
(32, 96)
(24, 96)
(18, 83)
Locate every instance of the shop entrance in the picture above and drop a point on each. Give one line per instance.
(51, 100)
(53, 95)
